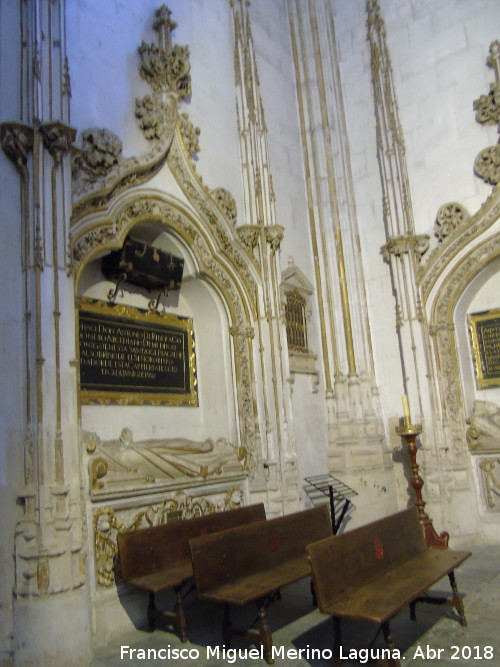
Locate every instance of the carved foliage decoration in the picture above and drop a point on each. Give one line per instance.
(449, 217)
(100, 152)
(487, 164)
(487, 107)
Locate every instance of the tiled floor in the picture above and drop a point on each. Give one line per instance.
(435, 638)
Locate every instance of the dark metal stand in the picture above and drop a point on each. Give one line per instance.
(320, 487)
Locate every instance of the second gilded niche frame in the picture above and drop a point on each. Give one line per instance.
(130, 356)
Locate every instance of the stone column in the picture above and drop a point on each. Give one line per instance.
(51, 611)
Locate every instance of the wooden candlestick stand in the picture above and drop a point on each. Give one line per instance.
(410, 432)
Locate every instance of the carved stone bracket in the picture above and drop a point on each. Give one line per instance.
(17, 141)
(400, 245)
(58, 139)
(274, 236)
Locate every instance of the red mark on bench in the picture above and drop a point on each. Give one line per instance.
(274, 539)
(379, 548)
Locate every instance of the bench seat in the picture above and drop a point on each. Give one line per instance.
(158, 558)
(370, 573)
(162, 579)
(251, 563)
(400, 586)
(261, 584)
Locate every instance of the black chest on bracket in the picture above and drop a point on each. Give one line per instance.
(142, 264)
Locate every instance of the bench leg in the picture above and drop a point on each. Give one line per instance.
(151, 614)
(457, 599)
(227, 626)
(266, 637)
(180, 617)
(336, 641)
(389, 641)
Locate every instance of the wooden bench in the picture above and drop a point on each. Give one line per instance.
(374, 571)
(252, 563)
(158, 558)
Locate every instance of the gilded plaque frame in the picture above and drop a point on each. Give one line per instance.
(154, 324)
(486, 366)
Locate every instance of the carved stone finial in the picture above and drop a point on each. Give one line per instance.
(166, 71)
(164, 26)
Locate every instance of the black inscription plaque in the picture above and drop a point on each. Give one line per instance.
(485, 335)
(134, 356)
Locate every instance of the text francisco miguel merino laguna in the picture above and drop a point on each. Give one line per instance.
(235, 656)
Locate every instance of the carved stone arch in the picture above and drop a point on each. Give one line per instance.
(235, 292)
(442, 328)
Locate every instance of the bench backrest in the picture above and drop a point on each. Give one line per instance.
(152, 549)
(343, 563)
(229, 555)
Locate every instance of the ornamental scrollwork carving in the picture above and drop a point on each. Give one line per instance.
(487, 164)
(226, 202)
(487, 107)
(166, 72)
(152, 114)
(450, 217)
(101, 150)
(106, 528)
(190, 134)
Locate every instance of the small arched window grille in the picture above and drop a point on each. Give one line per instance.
(296, 321)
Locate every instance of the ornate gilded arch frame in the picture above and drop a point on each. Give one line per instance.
(456, 265)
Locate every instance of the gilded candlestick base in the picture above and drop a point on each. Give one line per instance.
(409, 429)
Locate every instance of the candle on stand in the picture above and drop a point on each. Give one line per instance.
(406, 411)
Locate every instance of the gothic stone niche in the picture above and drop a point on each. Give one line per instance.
(295, 292)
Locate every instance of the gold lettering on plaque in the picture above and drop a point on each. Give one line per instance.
(133, 356)
(485, 336)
